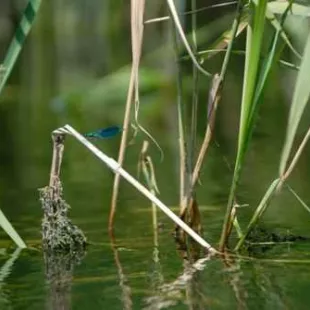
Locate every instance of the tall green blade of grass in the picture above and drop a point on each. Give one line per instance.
(9, 229)
(12, 54)
(17, 42)
(253, 46)
(300, 99)
(271, 58)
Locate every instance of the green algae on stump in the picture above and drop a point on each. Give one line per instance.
(58, 232)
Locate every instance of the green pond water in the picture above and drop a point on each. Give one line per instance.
(75, 69)
(139, 270)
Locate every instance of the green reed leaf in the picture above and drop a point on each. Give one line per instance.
(9, 229)
(18, 40)
(300, 99)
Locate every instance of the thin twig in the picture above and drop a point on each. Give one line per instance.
(306, 207)
(193, 11)
(298, 153)
(178, 26)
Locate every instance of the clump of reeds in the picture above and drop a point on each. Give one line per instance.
(252, 17)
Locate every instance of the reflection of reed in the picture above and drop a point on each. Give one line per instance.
(156, 276)
(123, 282)
(4, 272)
(271, 295)
(170, 294)
(146, 165)
(196, 300)
(234, 273)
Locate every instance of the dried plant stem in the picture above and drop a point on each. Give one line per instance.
(58, 150)
(137, 34)
(182, 148)
(117, 169)
(121, 154)
(147, 167)
(214, 98)
(193, 131)
(180, 116)
(177, 23)
(193, 11)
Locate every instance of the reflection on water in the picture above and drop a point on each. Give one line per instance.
(134, 274)
(59, 269)
(5, 271)
(126, 297)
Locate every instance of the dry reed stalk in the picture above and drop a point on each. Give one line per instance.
(193, 11)
(137, 11)
(180, 117)
(214, 97)
(147, 167)
(189, 207)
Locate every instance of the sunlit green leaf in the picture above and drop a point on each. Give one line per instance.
(255, 31)
(9, 229)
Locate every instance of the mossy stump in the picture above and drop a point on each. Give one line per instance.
(58, 232)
